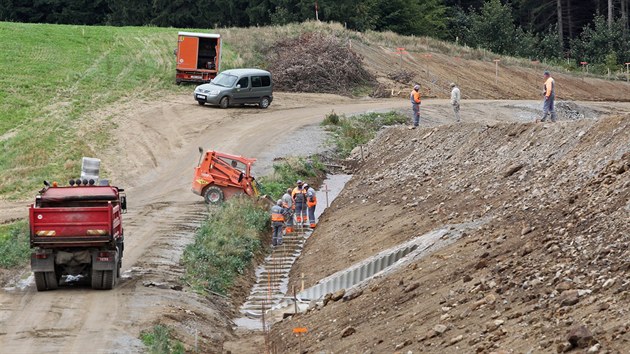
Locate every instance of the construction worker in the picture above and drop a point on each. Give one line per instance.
(550, 95)
(277, 223)
(311, 203)
(455, 98)
(287, 204)
(299, 199)
(414, 96)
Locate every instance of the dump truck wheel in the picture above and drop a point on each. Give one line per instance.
(201, 103)
(45, 281)
(97, 279)
(264, 102)
(225, 102)
(109, 279)
(213, 196)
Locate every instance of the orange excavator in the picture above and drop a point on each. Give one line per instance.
(220, 176)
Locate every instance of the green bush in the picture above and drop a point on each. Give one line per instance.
(14, 244)
(353, 131)
(159, 341)
(287, 172)
(225, 245)
(332, 118)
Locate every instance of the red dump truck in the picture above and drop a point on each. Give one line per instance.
(76, 231)
(198, 57)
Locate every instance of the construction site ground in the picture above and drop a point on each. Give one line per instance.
(551, 252)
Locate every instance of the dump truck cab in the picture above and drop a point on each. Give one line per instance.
(219, 176)
(198, 57)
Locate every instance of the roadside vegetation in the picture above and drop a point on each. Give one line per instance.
(225, 245)
(14, 244)
(287, 172)
(158, 341)
(350, 132)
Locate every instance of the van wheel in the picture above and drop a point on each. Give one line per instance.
(225, 102)
(264, 102)
(213, 195)
(201, 103)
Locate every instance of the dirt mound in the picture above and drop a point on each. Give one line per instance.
(316, 62)
(545, 267)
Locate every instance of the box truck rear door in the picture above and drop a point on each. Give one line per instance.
(187, 52)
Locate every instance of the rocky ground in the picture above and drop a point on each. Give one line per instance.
(545, 271)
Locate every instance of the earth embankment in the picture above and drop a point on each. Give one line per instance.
(550, 256)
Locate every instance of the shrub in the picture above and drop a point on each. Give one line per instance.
(332, 118)
(158, 341)
(287, 172)
(357, 130)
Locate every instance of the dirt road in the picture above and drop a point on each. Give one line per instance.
(153, 158)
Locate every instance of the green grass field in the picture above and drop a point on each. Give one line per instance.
(55, 77)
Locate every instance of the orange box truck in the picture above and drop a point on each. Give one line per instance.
(198, 57)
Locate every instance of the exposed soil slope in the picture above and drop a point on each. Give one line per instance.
(476, 78)
(551, 254)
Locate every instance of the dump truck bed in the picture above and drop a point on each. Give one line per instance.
(80, 226)
(80, 216)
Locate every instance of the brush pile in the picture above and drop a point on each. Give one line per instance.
(316, 62)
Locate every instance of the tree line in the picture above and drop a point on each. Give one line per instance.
(595, 31)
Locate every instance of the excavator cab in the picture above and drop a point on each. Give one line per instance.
(220, 176)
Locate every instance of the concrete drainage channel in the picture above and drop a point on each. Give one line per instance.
(384, 261)
(381, 264)
(272, 277)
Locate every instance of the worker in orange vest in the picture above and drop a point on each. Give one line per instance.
(288, 206)
(299, 199)
(277, 223)
(311, 203)
(414, 96)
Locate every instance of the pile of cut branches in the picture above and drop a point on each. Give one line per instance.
(315, 62)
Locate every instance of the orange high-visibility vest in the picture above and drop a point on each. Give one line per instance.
(277, 217)
(298, 194)
(550, 87)
(415, 97)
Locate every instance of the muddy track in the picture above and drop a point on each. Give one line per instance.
(153, 158)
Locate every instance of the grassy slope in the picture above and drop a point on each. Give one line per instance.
(53, 77)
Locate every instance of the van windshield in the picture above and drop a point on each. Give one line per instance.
(224, 80)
